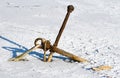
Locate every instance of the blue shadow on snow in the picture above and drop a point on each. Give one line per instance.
(21, 49)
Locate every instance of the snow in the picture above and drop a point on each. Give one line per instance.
(92, 32)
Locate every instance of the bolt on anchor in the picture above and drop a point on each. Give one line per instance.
(46, 45)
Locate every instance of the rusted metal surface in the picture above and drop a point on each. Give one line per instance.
(68, 54)
(46, 45)
(70, 8)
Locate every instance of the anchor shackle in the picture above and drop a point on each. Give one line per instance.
(43, 43)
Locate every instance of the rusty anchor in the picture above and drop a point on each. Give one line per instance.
(41, 43)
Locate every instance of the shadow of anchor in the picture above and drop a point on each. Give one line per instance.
(21, 49)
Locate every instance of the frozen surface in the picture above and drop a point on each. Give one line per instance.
(92, 32)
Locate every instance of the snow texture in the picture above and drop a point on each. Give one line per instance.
(92, 32)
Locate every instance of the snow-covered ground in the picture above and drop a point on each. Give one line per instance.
(92, 32)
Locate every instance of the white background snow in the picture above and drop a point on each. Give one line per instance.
(92, 32)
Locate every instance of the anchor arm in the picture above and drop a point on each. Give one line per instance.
(68, 54)
(44, 44)
(21, 57)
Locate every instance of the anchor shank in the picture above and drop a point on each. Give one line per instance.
(69, 10)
